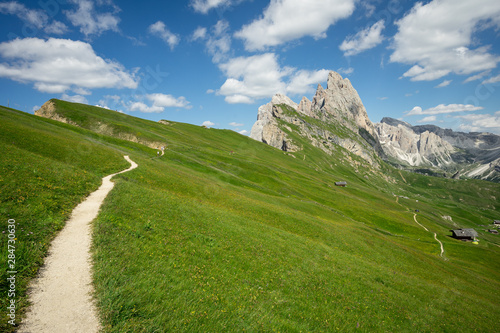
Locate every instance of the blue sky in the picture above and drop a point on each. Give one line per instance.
(215, 62)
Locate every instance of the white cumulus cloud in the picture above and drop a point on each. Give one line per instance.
(143, 107)
(158, 103)
(252, 78)
(261, 76)
(208, 123)
(287, 20)
(56, 65)
(439, 37)
(363, 40)
(302, 81)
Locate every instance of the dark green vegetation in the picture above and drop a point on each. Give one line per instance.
(202, 239)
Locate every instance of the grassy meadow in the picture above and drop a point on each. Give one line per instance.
(226, 234)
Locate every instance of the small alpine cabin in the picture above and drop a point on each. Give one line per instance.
(341, 184)
(464, 234)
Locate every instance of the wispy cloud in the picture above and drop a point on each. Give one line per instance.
(364, 40)
(204, 6)
(443, 109)
(217, 40)
(92, 21)
(34, 17)
(494, 79)
(443, 84)
(427, 119)
(476, 77)
(159, 29)
(481, 122)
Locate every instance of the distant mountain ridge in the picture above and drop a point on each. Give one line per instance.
(473, 155)
(336, 116)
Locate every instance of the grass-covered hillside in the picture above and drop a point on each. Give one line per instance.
(226, 234)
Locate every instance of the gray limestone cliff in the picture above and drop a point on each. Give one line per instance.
(335, 117)
(401, 142)
(472, 155)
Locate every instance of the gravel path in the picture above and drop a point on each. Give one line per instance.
(435, 237)
(61, 295)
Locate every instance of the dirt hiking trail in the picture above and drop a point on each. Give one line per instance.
(435, 237)
(60, 296)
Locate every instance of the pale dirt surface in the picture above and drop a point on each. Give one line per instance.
(61, 295)
(435, 237)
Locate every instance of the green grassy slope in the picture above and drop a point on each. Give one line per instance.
(202, 239)
(46, 169)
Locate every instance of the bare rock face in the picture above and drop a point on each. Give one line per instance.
(404, 144)
(471, 155)
(341, 101)
(48, 110)
(266, 127)
(338, 106)
(341, 96)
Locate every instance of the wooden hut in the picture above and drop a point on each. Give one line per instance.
(464, 234)
(341, 184)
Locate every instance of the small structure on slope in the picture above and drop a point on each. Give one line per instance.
(341, 184)
(465, 234)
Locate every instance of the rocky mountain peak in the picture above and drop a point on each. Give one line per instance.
(394, 122)
(339, 105)
(282, 99)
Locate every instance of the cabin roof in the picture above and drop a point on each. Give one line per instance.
(465, 233)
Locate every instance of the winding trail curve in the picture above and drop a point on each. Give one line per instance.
(61, 296)
(435, 237)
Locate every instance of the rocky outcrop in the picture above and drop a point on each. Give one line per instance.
(266, 129)
(472, 155)
(342, 121)
(341, 101)
(401, 142)
(48, 110)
